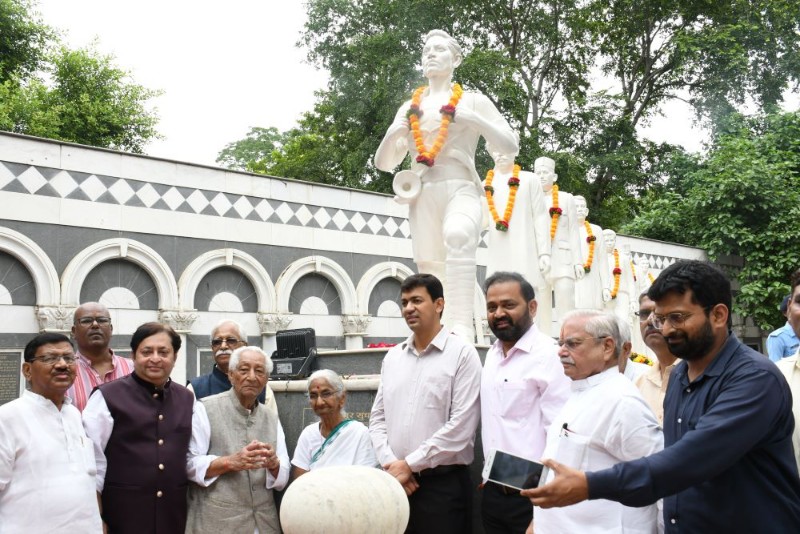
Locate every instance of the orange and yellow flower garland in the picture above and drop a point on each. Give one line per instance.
(448, 112)
(651, 277)
(513, 186)
(590, 239)
(641, 358)
(617, 272)
(633, 270)
(555, 213)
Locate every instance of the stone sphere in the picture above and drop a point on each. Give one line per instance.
(344, 500)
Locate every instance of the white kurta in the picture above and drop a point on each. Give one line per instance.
(350, 446)
(528, 235)
(47, 469)
(608, 422)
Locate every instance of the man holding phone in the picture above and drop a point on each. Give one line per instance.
(728, 463)
(522, 389)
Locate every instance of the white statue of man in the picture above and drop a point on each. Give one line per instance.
(519, 238)
(566, 265)
(622, 284)
(441, 129)
(595, 287)
(643, 282)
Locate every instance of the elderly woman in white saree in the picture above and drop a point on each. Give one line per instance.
(334, 440)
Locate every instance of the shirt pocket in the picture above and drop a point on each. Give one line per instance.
(437, 392)
(516, 401)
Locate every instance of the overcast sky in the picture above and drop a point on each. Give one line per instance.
(223, 66)
(227, 66)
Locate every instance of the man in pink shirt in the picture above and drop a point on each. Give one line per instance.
(523, 388)
(97, 363)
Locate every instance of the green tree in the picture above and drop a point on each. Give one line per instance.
(742, 199)
(23, 39)
(87, 100)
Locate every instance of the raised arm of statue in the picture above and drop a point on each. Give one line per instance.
(394, 146)
(489, 122)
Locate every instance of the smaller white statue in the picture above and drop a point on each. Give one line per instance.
(566, 265)
(595, 287)
(622, 284)
(519, 238)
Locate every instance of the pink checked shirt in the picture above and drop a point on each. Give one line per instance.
(86, 378)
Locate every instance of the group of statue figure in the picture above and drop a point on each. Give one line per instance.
(534, 228)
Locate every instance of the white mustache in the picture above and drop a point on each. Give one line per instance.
(567, 360)
(223, 352)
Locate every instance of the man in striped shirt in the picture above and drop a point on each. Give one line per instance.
(97, 363)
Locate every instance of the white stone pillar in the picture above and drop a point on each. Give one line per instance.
(55, 318)
(270, 324)
(181, 321)
(355, 328)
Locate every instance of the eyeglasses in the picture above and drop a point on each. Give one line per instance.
(52, 359)
(676, 319)
(230, 341)
(325, 395)
(573, 343)
(89, 321)
(643, 315)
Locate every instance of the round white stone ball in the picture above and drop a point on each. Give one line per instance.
(344, 500)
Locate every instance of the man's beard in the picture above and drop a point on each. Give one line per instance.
(693, 348)
(515, 330)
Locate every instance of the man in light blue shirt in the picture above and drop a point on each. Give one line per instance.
(782, 342)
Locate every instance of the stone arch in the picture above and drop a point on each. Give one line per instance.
(31, 255)
(323, 266)
(119, 248)
(227, 257)
(376, 273)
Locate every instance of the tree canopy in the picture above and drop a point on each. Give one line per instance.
(575, 79)
(742, 198)
(49, 90)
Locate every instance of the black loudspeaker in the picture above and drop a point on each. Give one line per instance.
(296, 356)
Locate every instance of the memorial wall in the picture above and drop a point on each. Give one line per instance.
(189, 245)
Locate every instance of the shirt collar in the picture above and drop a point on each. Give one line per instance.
(719, 362)
(439, 341)
(86, 361)
(149, 386)
(594, 380)
(42, 401)
(523, 344)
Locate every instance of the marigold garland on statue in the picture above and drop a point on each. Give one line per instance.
(617, 272)
(651, 277)
(633, 270)
(590, 239)
(641, 358)
(513, 186)
(555, 213)
(448, 112)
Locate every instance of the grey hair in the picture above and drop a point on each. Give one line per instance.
(333, 379)
(601, 324)
(455, 48)
(233, 363)
(239, 329)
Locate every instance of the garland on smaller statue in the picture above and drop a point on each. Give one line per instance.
(651, 277)
(513, 186)
(590, 239)
(448, 112)
(617, 272)
(633, 270)
(555, 213)
(641, 358)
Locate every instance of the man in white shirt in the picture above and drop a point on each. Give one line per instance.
(605, 421)
(426, 412)
(47, 466)
(523, 387)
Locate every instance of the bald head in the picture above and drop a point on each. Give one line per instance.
(92, 328)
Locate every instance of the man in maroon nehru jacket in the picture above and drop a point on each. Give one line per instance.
(141, 426)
